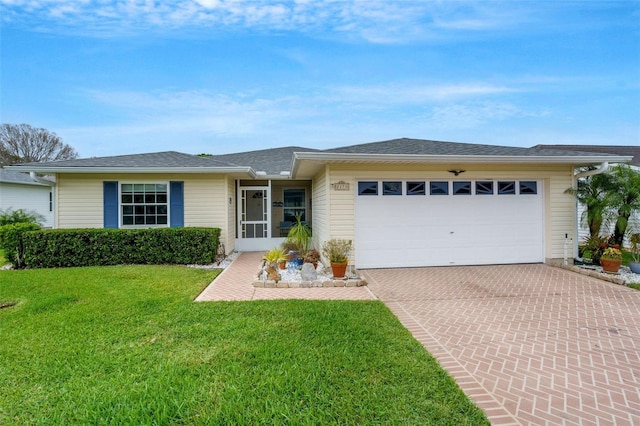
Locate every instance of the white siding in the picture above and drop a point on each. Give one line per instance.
(29, 198)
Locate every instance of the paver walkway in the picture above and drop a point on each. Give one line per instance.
(530, 344)
(234, 283)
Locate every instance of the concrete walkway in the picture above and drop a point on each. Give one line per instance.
(530, 344)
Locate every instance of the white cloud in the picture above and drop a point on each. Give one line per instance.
(377, 21)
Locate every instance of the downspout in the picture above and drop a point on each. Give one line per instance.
(603, 168)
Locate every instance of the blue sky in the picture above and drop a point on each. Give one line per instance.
(221, 76)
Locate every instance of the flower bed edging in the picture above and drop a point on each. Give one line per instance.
(324, 283)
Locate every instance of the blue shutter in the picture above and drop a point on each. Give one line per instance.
(110, 194)
(176, 204)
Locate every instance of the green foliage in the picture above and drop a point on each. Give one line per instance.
(337, 250)
(625, 199)
(92, 247)
(275, 256)
(614, 195)
(592, 192)
(12, 241)
(127, 346)
(300, 235)
(10, 216)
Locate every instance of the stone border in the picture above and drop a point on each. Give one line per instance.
(612, 278)
(344, 282)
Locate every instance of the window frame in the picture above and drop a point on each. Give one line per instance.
(122, 205)
(361, 191)
(297, 209)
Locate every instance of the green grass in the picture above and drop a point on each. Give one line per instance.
(126, 345)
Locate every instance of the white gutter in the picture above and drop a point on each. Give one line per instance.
(603, 168)
(34, 177)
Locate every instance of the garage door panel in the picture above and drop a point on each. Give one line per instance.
(396, 231)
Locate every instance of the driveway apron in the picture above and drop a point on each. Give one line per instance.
(530, 344)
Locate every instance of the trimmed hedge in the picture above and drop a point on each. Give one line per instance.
(100, 247)
(12, 241)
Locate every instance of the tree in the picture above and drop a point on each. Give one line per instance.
(21, 143)
(592, 192)
(624, 199)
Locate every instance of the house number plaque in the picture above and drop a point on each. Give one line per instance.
(341, 186)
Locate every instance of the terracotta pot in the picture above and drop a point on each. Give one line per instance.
(282, 265)
(338, 269)
(610, 265)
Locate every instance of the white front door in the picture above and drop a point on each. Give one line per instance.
(254, 219)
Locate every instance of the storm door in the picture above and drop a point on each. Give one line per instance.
(254, 212)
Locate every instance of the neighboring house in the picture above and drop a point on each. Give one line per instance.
(608, 226)
(30, 193)
(403, 202)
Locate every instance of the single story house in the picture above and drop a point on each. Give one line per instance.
(28, 192)
(403, 202)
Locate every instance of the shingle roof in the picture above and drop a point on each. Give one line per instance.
(9, 176)
(405, 146)
(167, 159)
(629, 151)
(272, 161)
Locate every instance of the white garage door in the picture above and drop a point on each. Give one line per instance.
(439, 223)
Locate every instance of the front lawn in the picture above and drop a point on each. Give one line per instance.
(126, 345)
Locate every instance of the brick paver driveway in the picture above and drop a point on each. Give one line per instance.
(530, 344)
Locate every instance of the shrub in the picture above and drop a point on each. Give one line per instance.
(10, 216)
(12, 241)
(99, 247)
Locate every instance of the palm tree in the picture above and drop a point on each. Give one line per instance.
(624, 199)
(592, 192)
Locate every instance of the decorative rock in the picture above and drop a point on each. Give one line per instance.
(308, 272)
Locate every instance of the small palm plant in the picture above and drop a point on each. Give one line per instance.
(300, 235)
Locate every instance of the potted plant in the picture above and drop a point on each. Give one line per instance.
(273, 258)
(611, 259)
(635, 253)
(337, 252)
(312, 256)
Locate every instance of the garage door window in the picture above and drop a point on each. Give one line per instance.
(506, 188)
(461, 188)
(392, 188)
(484, 187)
(416, 188)
(439, 188)
(528, 187)
(367, 188)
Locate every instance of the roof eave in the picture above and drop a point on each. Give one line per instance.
(137, 170)
(323, 157)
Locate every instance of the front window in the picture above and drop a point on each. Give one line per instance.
(294, 205)
(144, 204)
